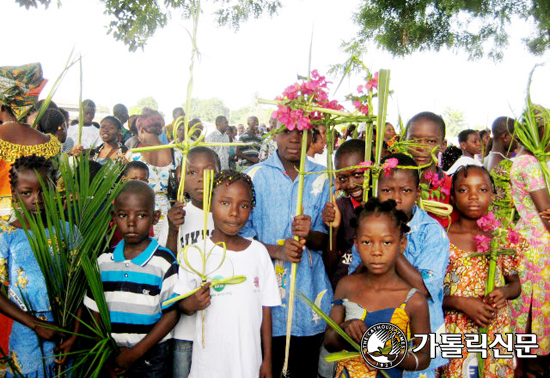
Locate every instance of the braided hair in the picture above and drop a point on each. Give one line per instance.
(229, 176)
(375, 207)
(463, 171)
(29, 163)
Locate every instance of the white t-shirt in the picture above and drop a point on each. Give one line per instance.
(90, 136)
(233, 320)
(190, 233)
(462, 161)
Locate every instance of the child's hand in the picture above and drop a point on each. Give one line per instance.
(198, 301)
(125, 359)
(332, 214)
(64, 349)
(545, 215)
(176, 216)
(265, 369)
(76, 150)
(497, 298)
(292, 250)
(42, 329)
(301, 226)
(355, 328)
(480, 312)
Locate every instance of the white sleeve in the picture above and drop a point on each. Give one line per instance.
(186, 282)
(269, 287)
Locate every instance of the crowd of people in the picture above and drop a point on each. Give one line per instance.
(388, 260)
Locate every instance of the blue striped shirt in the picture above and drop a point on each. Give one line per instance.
(135, 289)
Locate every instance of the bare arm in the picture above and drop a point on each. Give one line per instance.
(266, 367)
(417, 308)
(541, 199)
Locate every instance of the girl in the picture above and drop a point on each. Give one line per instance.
(31, 343)
(377, 294)
(111, 148)
(237, 320)
(53, 122)
(465, 304)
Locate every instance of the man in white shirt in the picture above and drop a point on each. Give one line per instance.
(470, 144)
(219, 136)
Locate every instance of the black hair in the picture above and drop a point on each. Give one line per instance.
(65, 114)
(32, 162)
(113, 119)
(229, 176)
(138, 187)
(503, 125)
(377, 208)
(438, 120)
(464, 134)
(450, 156)
(206, 151)
(176, 110)
(405, 161)
(350, 147)
(483, 132)
(135, 164)
(50, 121)
(88, 104)
(463, 171)
(95, 167)
(119, 107)
(193, 122)
(219, 119)
(315, 135)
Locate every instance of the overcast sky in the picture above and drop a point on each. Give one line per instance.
(264, 57)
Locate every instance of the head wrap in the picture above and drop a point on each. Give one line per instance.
(20, 87)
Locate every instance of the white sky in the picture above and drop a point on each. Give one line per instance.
(264, 56)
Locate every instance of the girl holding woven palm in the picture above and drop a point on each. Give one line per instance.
(377, 294)
(32, 344)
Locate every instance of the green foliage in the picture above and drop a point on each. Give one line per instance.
(146, 102)
(403, 27)
(454, 121)
(207, 110)
(241, 115)
(135, 21)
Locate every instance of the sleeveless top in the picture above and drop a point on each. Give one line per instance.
(357, 367)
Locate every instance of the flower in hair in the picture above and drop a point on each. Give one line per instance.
(389, 165)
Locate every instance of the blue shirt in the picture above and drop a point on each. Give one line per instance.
(428, 251)
(271, 220)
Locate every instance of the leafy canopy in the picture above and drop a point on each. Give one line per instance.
(405, 26)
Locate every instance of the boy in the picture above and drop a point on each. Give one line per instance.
(428, 130)
(273, 219)
(136, 170)
(470, 144)
(423, 264)
(138, 275)
(341, 212)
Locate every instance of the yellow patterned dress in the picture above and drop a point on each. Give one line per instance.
(357, 367)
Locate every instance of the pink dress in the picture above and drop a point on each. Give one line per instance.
(531, 311)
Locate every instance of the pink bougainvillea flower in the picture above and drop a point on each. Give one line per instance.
(372, 83)
(360, 107)
(482, 243)
(315, 74)
(445, 191)
(292, 92)
(488, 222)
(389, 165)
(360, 89)
(366, 164)
(512, 237)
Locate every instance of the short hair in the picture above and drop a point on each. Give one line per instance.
(88, 104)
(50, 121)
(450, 156)
(219, 119)
(36, 107)
(135, 164)
(229, 176)
(375, 207)
(30, 163)
(194, 121)
(437, 119)
(119, 108)
(176, 110)
(350, 147)
(114, 120)
(138, 187)
(404, 161)
(207, 151)
(463, 171)
(465, 134)
(503, 125)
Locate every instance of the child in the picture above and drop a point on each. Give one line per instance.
(185, 227)
(237, 319)
(466, 306)
(111, 148)
(138, 275)
(428, 130)
(341, 212)
(378, 294)
(470, 144)
(21, 274)
(316, 148)
(136, 170)
(424, 262)
(273, 222)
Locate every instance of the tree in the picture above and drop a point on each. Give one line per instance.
(208, 109)
(146, 102)
(241, 115)
(136, 21)
(403, 27)
(454, 120)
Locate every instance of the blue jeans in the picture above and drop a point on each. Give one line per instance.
(153, 364)
(183, 351)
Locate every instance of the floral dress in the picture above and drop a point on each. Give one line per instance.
(466, 277)
(531, 310)
(21, 274)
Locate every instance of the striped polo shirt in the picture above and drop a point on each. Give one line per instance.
(135, 289)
